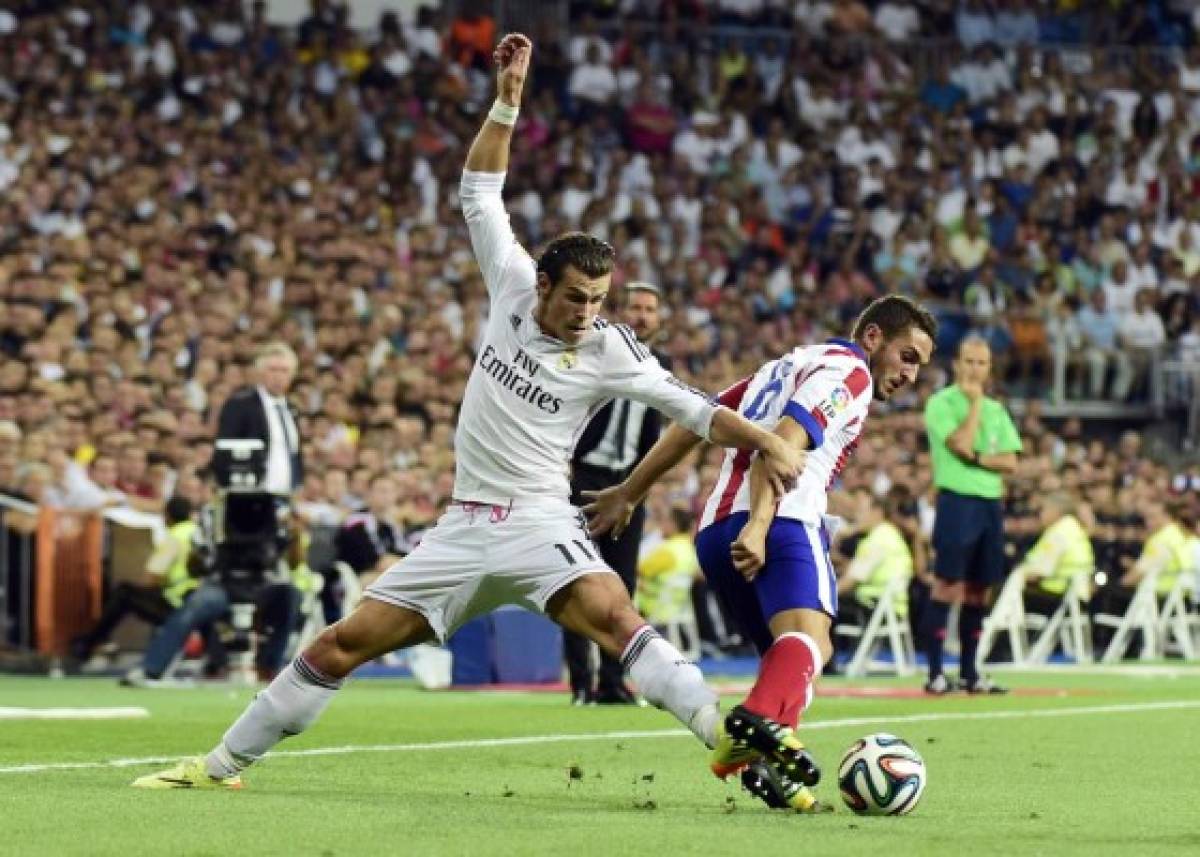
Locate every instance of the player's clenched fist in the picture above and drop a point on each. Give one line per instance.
(512, 58)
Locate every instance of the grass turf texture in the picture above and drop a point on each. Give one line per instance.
(1087, 783)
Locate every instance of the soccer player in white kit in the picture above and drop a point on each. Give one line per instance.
(511, 536)
(766, 557)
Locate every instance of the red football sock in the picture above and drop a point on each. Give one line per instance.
(785, 678)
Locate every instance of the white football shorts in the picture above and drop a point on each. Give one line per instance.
(481, 556)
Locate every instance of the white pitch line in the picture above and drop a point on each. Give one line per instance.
(127, 713)
(634, 735)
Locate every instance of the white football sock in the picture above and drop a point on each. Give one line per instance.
(287, 707)
(670, 681)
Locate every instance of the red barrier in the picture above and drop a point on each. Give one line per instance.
(68, 579)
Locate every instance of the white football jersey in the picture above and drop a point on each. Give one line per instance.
(530, 395)
(827, 389)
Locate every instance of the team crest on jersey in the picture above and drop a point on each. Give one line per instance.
(568, 360)
(516, 321)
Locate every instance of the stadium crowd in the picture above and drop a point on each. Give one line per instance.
(181, 182)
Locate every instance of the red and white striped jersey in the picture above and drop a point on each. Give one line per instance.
(827, 389)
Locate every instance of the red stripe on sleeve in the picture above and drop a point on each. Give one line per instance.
(731, 397)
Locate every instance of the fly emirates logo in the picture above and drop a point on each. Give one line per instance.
(518, 377)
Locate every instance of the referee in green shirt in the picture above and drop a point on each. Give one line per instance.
(973, 444)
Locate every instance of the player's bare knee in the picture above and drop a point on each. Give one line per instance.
(825, 647)
(948, 591)
(334, 651)
(975, 594)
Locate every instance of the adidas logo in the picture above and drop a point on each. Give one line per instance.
(516, 321)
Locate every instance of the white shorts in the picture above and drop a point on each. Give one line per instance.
(480, 557)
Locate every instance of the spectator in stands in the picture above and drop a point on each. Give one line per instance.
(1065, 337)
(849, 18)
(134, 479)
(974, 24)
(592, 85)
(1016, 23)
(897, 21)
(941, 93)
(1102, 348)
(1142, 335)
(970, 248)
(472, 37)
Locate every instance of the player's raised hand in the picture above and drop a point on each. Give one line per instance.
(749, 551)
(608, 511)
(512, 59)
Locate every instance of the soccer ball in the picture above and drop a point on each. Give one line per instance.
(881, 775)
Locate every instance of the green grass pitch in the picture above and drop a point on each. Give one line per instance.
(1109, 766)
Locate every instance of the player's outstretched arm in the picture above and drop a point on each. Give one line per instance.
(611, 509)
(489, 151)
(749, 550)
(783, 462)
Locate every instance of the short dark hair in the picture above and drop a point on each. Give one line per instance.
(894, 314)
(588, 255)
(178, 509)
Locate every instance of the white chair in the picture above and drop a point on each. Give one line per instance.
(312, 615)
(1141, 615)
(1007, 616)
(674, 616)
(885, 624)
(1177, 621)
(352, 588)
(684, 634)
(1067, 626)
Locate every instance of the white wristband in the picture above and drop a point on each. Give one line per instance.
(503, 114)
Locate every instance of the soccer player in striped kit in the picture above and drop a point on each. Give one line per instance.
(767, 560)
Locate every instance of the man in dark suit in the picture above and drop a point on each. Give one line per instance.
(611, 445)
(261, 412)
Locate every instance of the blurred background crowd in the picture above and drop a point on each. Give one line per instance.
(180, 183)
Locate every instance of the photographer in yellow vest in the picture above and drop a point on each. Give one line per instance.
(163, 586)
(1063, 551)
(882, 554)
(666, 573)
(1165, 554)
